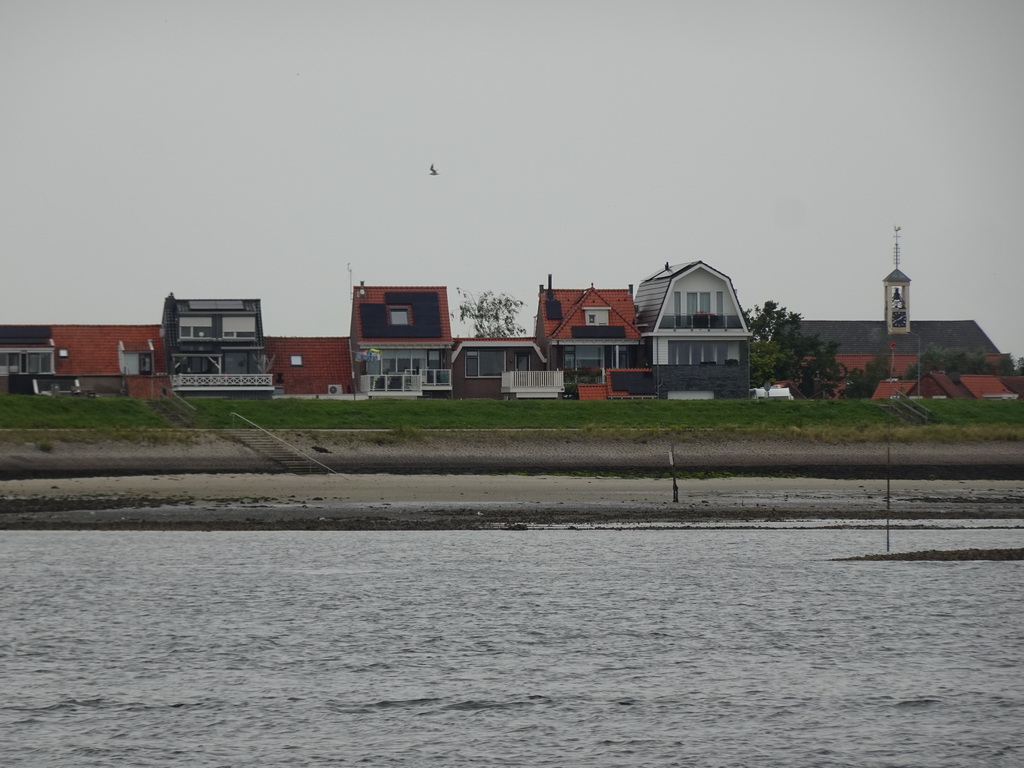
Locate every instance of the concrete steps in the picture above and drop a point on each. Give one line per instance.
(275, 450)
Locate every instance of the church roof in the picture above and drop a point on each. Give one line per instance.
(869, 337)
(896, 276)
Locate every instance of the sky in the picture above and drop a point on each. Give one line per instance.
(281, 151)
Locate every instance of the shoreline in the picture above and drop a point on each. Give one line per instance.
(462, 502)
(472, 480)
(448, 452)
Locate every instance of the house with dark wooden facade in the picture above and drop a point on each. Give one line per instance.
(215, 348)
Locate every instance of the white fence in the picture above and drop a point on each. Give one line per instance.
(220, 380)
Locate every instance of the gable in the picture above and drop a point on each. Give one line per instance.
(565, 314)
(665, 293)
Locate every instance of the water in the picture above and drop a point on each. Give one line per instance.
(537, 648)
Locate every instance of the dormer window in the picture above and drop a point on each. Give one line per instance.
(196, 327)
(239, 327)
(596, 315)
(398, 315)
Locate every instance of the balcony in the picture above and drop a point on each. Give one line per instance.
(406, 384)
(222, 382)
(532, 384)
(700, 321)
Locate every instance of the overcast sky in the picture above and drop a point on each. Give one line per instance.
(237, 148)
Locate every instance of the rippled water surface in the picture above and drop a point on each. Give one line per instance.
(535, 648)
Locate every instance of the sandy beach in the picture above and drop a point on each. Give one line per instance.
(475, 501)
(474, 480)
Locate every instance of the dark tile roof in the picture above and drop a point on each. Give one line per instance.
(429, 320)
(869, 337)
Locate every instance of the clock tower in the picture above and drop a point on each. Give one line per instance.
(897, 296)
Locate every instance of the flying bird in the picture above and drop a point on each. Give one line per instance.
(432, 171)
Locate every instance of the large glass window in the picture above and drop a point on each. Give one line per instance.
(196, 327)
(697, 352)
(26, 362)
(484, 362)
(398, 315)
(583, 356)
(698, 302)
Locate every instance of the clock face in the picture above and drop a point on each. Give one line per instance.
(899, 319)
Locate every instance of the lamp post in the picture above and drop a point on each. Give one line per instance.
(911, 333)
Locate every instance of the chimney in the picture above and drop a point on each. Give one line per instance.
(549, 282)
(362, 289)
(630, 289)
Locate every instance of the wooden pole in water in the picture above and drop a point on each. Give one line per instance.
(672, 464)
(888, 481)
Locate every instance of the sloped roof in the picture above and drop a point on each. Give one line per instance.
(326, 360)
(898, 363)
(571, 303)
(371, 307)
(869, 337)
(945, 384)
(896, 276)
(982, 386)
(93, 349)
(1014, 384)
(888, 388)
(652, 292)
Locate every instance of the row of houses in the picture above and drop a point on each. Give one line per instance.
(680, 335)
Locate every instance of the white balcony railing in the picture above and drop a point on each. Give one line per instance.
(434, 378)
(222, 380)
(532, 383)
(395, 384)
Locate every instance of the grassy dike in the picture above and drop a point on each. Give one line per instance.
(825, 421)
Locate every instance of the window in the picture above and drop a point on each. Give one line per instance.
(596, 316)
(697, 352)
(296, 361)
(239, 327)
(136, 363)
(398, 315)
(698, 302)
(484, 362)
(62, 354)
(196, 327)
(26, 362)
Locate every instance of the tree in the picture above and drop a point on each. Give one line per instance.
(778, 351)
(863, 383)
(934, 358)
(494, 315)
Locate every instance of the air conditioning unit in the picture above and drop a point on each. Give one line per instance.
(335, 389)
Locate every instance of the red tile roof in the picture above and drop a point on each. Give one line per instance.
(93, 349)
(325, 360)
(376, 294)
(898, 362)
(572, 301)
(982, 386)
(887, 389)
